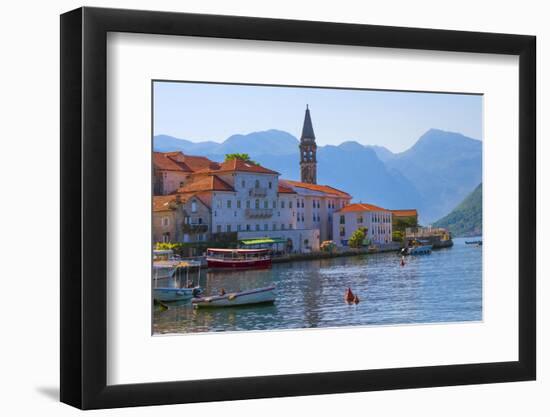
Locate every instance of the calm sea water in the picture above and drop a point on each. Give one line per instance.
(445, 286)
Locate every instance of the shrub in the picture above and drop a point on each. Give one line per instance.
(357, 238)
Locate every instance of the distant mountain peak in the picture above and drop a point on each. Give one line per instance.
(351, 145)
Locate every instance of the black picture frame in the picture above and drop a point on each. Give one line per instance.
(84, 207)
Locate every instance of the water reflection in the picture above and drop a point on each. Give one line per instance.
(442, 287)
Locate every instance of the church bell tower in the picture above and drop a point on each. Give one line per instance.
(308, 152)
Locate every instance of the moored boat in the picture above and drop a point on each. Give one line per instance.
(241, 298)
(165, 294)
(178, 292)
(420, 250)
(238, 258)
(474, 242)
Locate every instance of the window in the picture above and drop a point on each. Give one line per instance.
(182, 184)
(290, 227)
(257, 184)
(274, 226)
(165, 221)
(269, 185)
(166, 237)
(194, 206)
(290, 204)
(282, 226)
(219, 228)
(229, 204)
(238, 204)
(228, 228)
(282, 204)
(265, 226)
(239, 227)
(257, 204)
(257, 227)
(359, 218)
(274, 204)
(342, 230)
(248, 228)
(200, 220)
(247, 204)
(266, 204)
(243, 184)
(219, 204)
(342, 219)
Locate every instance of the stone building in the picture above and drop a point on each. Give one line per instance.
(181, 218)
(244, 199)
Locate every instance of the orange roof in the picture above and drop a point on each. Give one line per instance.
(238, 165)
(178, 161)
(283, 189)
(164, 162)
(209, 183)
(405, 213)
(162, 202)
(361, 207)
(316, 187)
(196, 163)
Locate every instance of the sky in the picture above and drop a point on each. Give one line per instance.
(199, 112)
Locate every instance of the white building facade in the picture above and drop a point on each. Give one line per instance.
(376, 221)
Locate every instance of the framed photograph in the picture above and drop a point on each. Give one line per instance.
(258, 208)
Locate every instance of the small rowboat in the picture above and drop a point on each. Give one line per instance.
(255, 296)
(474, 242)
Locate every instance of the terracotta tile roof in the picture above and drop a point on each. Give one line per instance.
(405, 213)
(316, 187)
(238, 165)
(163, 202)
(164, 162)
(208, 183)
(197, 163)
(178, 161)
(361, 207)
(285, 189)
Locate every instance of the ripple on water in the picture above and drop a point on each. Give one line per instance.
(445, 286)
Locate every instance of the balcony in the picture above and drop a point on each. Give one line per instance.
(259, 213)
(257, 192)
(194, 228)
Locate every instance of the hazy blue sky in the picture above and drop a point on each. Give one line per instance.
(199, 112)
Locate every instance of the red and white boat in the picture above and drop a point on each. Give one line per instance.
(238, 258)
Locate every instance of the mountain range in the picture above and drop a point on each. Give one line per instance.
(434, 175)
(466, 218)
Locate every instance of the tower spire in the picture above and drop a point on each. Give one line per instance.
(307, 129)
(308, 151)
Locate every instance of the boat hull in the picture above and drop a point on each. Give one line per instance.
(175, 294)
(257, 296)
(238, 264)
(421, 250)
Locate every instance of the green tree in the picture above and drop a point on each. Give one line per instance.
(242, 156)
(357, 238)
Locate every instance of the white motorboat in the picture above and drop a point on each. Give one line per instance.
(255, 296)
